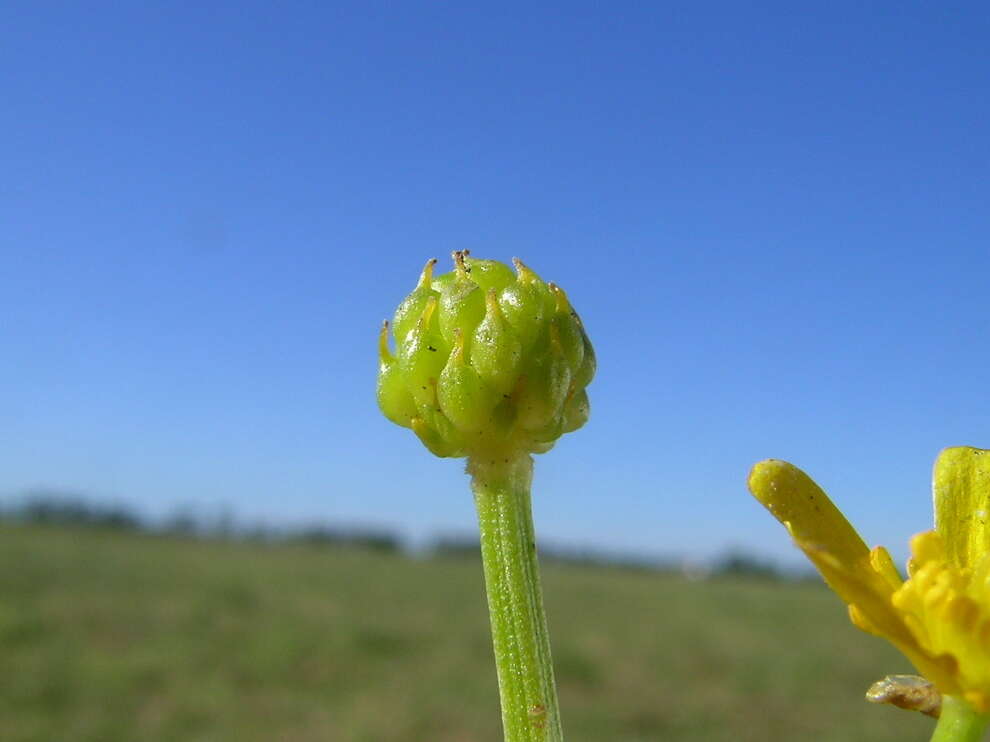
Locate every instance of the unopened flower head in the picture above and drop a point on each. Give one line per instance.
(486, 359)
(940, 616)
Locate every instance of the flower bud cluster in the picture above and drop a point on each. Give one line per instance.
(486, 361)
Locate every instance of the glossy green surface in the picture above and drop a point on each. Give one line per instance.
(485, 360)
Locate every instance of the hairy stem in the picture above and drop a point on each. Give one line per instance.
(515, 600)
(958, 722)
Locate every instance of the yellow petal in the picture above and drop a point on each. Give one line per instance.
(961, 485)
(868, 594)
(796, 501)
(883, 565)
(828, 540)
(865, 580)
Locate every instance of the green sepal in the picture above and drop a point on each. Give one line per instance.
(527, 305)
(438, 444)
(422, 357)
(441, 282)
(466, 400)
(496, 352)
(541, 446)
(551, 431)
(589, 364)
(489, 274)
(394, 399)
(462, 303)
(577, 409)
(547, 380)
(568, 329)
(411, 308)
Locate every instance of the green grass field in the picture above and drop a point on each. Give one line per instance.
(124, 636)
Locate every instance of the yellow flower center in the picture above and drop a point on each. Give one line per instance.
(947, 608)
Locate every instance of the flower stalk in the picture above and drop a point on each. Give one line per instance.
(493, 365)
(515, 603)
(959, 722)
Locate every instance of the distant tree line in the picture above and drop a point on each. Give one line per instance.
(56, 509)
(60, 509)
(734, 564)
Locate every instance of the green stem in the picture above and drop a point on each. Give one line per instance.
(515, 601)
(958, 722)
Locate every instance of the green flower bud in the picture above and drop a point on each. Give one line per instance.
(576, 411)
(486, 362)
(568, 327)
(422, 355)
(526, 304)
(546, 382)
(462, 301)
(412, 306)
(589, 365)
(489, 274)
(393, 396)
(437, 434)
(496, 352)
(465, 399)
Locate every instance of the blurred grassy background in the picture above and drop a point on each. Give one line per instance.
(111, 636)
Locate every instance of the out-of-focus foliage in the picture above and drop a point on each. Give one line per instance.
(116, 636)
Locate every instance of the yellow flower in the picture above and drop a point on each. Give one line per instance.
(940, 617)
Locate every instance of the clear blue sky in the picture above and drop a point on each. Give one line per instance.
(772, 217)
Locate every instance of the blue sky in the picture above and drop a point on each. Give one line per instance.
(773, 220)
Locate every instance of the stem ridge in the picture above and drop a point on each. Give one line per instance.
(519, 628)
